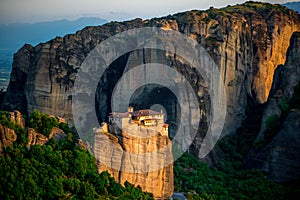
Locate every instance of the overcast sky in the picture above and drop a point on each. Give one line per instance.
(45, 10)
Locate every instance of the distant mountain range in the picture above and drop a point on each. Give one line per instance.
(293, 5)
(14, 36)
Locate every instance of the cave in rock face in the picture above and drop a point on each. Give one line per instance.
(158, 98)
(151, 95)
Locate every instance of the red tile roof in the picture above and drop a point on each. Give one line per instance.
(146, 112)
(139, 113)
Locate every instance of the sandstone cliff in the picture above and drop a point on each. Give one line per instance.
(144, 162)
(37, 138)
(285, 79)
(7, 137)
(16, 117)
(276, 149)
(247, 41)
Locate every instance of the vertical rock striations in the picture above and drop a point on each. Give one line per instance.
(7, 137)
(247, 41)
(144, 162)
(35, 138)
(16, 117)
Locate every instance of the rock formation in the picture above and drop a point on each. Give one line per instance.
(280, 158)
(277, 151)
(16, 117)
(144, 162)
(7, 137)
(57, 134)
(35, 138)
(247, 42)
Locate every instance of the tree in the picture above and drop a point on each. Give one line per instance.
(42, 123)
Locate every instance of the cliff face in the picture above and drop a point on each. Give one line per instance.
(37, 138)
(247, 42)
(7, 137)
(280, 157)
(285, 79)
(277, 145)
(16, 117)
(144, 162)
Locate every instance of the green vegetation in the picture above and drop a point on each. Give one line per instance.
(274, 122)
(272, 126)
(249, 6)
(42, 123)
(21, 132)
(212, 13)
(226, 181)
(237, 146)
(259, 144)
(255, 6)
(57, 170)
(284, 106)
(62, 170)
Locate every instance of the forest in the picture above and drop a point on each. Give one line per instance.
(57, 170)
(61, 169)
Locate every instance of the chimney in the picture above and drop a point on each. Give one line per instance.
(130, 109)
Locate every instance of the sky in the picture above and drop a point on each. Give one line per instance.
(112, 10)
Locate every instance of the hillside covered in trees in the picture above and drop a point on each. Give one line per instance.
(60, 169)
(64, 169)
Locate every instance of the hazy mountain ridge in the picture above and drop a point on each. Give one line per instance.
(293, 5)
(15, 35)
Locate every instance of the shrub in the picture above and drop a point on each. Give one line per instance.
(284, 106)
(272, 125)
(42, 123)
